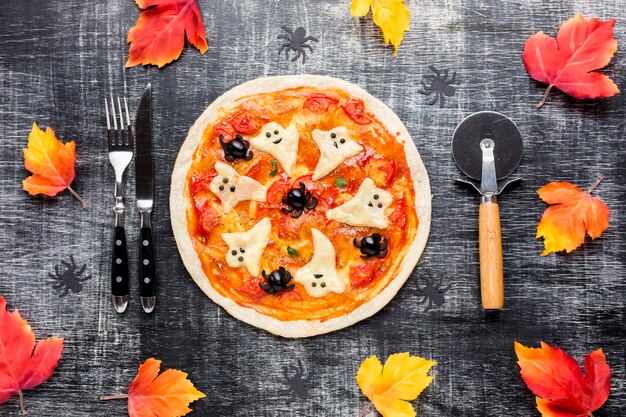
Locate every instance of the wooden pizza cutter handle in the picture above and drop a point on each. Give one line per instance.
(490, 241)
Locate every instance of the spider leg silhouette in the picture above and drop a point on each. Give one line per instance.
(88, 277)
(453, 79)
(297, 55)
(442, 99)
(303, 54)
(433, 69)
(310, 38)
(286, 29)
(445, 75)
(284, 37)
(434, 99)
(308, 46)
(65, 292)
(285, 46)
(430, 305)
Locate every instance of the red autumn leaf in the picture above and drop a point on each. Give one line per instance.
(158, 37)
(23, 364)
(158, 395)
(572, 213)
(569, 61)
(558, 382)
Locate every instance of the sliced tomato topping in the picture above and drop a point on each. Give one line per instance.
(209, 218)
(319, 102)
(382, 171)
(291, 295)
(364, 273)
(260, 170)
(398, 215)
(251, 287)
(293, 226)
(277, 191)
(200, 182)
(243, 122)
(355, 108)
(325, 192)
(224, 129)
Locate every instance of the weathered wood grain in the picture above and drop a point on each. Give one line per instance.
(57, 61)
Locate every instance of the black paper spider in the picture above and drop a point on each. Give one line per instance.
(296, 381)
(440, 86)
(296, 41)
(69, 279)
(431, 291)
(297, 200)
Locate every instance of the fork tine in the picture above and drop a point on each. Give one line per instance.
(113, 112)
(119, 106)
(127, 116)
(106, 110)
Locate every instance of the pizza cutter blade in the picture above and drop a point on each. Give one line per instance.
(487, 146)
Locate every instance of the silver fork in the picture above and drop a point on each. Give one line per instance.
(120, 142)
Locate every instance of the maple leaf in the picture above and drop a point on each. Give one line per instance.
(391, 16)
(23, 364)
(51, 162)
(569, 61)
(390, 388)
(558, 382)
(152, 395)
(158, 37)
(572, 212)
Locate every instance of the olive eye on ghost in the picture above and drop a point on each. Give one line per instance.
(225, 181)
(376, 197)
(234, 253)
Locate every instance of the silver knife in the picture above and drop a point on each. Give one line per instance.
(145, 200)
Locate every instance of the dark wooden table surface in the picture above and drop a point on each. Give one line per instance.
(58, 59)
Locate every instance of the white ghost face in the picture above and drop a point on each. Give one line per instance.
(319, 276)
(231, 188)
(335, 147)
(245, 249)
(279, 142)
(366, 208)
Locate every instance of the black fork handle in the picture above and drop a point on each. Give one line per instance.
(119, 264)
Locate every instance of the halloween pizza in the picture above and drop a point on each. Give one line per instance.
(299, 204)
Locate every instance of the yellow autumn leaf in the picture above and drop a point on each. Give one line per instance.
(390, 388)
(391, 16)
(360, 8)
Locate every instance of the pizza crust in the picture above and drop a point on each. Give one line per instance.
(179, 205)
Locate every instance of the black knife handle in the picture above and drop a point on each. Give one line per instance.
(147, 266)
(119, 264)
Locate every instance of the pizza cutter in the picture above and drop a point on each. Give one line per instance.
(487, 146)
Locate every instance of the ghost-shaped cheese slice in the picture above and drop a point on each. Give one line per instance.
(335, 147)
(246, 248)
(319, 276)
(231, 188)
(279, 142)
(366, 208)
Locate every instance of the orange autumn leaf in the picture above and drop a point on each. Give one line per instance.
(51, 162)
(24, 364)
(570, 61)
(158, 37)
(559, 384)
(572, 213)
(392, 386)
(152, 395)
